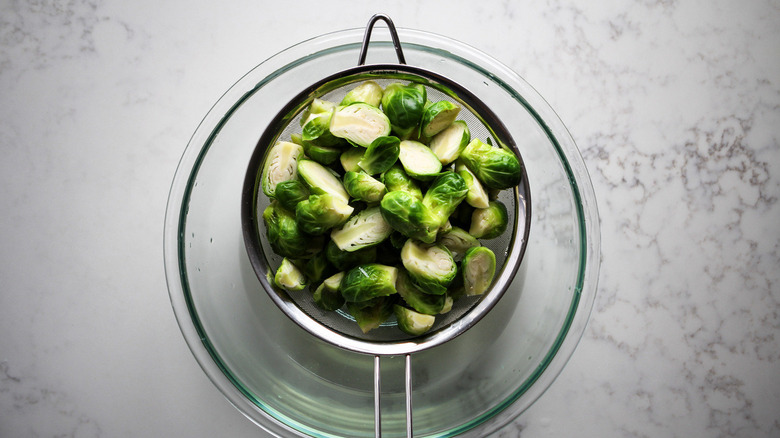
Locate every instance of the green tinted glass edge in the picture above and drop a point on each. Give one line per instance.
(279, 72)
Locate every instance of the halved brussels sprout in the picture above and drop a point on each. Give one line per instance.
(368, 92)
(381, 154)
(418, 160)
(317, 106)
(418, 300)
(408, 215)
(289, 277)
(280, 165)
(373, 313)
(368, 281)
(412, 322)
(437, 117)
(495, 167)
(363, 186)
(320, 213)
(316, 129)
(290, 193)
(444, 195)
(478, 268)
(344, 260)
(328, 294)
(489, 223)
(396, 178)
(449, 143)
(284, 235)
(430, 266)
(365, 228)
(321, 180)
(350, 159)
(458, 241)
(448, 302)
(360, 123)
(404, 105)
(477, 197)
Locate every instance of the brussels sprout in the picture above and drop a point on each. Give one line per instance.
(350, 159)
(315, 268)
(280, 165)
(344, 260)
(443, 196)
(381, 154)
(368, 92)
(404, 105)
(317, 106)
(430, 266)
(325, 155)
(477, 197)
(437, 117)
(328, 294)
(359, 123)
(320, 213)
(457, 240)
(418, 160)
(412, 322)
(368, 281)
(373, 313)
(290, 193)
(448, 302)
(495, 167)
(363, 186)
(365, 228)
(478, 268)
(489, 223)
(284, 235)
(396, 178)
(289, 277)
(449, 143)
(418, 300)
(408, 215)
(316, 129)
(321, 180)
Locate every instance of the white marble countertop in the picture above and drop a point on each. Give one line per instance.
(675, 105)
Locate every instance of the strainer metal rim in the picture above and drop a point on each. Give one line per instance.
(250, 223)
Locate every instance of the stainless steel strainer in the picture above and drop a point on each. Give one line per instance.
(338, 328)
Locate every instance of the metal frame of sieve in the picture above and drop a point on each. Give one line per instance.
(251, 223)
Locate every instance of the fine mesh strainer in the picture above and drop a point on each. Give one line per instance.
(339, 328)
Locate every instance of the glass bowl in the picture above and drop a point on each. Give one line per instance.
(292, 384)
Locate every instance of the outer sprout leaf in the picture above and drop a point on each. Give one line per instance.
(495, 167)
(381, 154)
(407, 215)
(368, 281)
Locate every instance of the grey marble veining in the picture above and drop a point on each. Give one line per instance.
(675, 106)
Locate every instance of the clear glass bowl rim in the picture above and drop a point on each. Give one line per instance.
(585, 290)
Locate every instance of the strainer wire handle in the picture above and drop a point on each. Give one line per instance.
(393, 35)
(377, 397)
